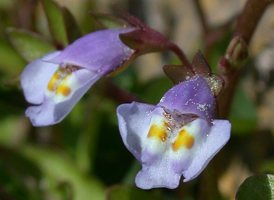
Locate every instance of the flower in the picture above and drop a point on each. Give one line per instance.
(176, 137)
(58, 80)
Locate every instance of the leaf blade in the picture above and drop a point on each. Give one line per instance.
(56, 22)
(29, 44)
(259, 187)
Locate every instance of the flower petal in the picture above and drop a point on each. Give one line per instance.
(166, 168)
(55, 108)
(35, 78)
(134, 123)
(216, 139)
(41, 115)
(192, 96)
(159, 174)
(101, 50)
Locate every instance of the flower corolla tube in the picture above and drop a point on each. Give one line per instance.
(176, 137)
(57, 81)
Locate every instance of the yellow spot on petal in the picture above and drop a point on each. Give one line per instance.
(52, 82)
(183, 140)
(63, 89)
(63, 70)
(158, 132)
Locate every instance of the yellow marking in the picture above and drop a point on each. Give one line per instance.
(158, 132)
(183, 140)
(63, 89)
(52, 82)
(63, 70)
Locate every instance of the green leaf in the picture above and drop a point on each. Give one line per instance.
(218, 50)
(56, 22)
(129, 193)
(131, 173)
(243, 113)
(28, 44)
(88, 139)
(72, 29)
(58, 167)
(19, 177)
(267, 167)
(155, 89)
(12, 102)
(259, 187)
(11, 63)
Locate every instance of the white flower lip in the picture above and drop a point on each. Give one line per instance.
(171, 140)
(59, 79)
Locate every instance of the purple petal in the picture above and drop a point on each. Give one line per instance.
(101, 50)
(193, 96)
(216, 139)
(160, 174)
(51, 112)
(41, 115)
(167, 167)
(35, 78)
(134, 123)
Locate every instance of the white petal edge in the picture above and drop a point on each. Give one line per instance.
(134, 123)
(217, 138)
(158, 175)
(50, 113)
(35, 78)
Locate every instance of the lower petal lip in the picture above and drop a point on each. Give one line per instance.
(55, 107)
(164, 168)
(35, 78)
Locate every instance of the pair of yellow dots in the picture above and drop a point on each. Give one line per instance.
(183, 139)
(58, 84)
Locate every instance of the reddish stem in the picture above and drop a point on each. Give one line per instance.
(202, 16)
(173, 47)
(110, 90)
(248, 20)
(246, 24)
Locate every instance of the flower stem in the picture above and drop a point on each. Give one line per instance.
(173, 47)
(109, 89)
(248, 20)
(202, 16)
(246, 24)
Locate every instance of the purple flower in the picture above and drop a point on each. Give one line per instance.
(58, 80)
(176, 137)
